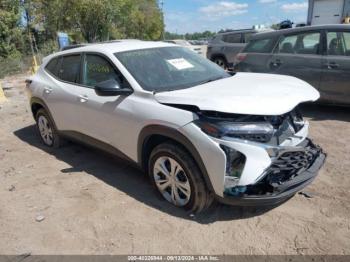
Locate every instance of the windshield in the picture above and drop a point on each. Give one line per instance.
(169, 68)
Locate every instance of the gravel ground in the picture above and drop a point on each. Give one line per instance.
(77, 200)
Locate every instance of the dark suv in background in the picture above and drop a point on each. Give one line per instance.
(319, 55)
(223, 48)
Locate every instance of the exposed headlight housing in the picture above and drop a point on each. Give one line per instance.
(254, 131)
(235, 162)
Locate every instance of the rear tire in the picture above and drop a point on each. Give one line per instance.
(176, 176)
(47, 130)
(220, 61)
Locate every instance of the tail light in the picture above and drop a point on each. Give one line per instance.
(240, 57)
(28, 82)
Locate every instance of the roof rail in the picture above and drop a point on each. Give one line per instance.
(68, 47)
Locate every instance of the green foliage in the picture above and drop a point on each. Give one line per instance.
(9, 17)
(97, 20)
(48, 47)
(31, 26)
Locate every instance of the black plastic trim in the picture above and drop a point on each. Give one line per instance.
(287, 189)
(171, 133)
(90, 141)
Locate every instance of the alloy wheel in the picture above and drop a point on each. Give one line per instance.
(172, 181)
(45, 129)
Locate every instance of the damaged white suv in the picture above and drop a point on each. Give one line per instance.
(199, 132)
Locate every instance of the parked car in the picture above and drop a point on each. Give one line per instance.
(177, 116)
(199, 49)
(223, 48)
(319, 55)
(286, 24)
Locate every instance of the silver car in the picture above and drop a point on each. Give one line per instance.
(224, 47)
(199, 132)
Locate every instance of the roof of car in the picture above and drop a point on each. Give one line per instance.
(299, 29)
(238, 31)
(112, 47)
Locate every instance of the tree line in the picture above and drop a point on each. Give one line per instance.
(190, 36)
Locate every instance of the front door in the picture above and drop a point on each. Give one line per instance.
(299, 55)
(104, 118)
(335, 81)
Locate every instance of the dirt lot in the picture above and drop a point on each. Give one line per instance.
(93, 203)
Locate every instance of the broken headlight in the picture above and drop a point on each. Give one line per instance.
(235, 162)
(254, 131)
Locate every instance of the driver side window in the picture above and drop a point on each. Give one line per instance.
(97, 69)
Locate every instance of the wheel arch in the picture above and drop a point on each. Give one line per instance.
(218, 55)
(36, 104)
(153, 135)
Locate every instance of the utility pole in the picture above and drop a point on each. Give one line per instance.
(161, 4)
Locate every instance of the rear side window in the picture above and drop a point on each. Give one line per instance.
(287, 44)
(247, 37)
(260, 46)
(52, 66)
(232, 38)
(338, 43)
(304, 43)
(70, 68)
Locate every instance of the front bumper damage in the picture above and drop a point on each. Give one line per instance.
(288, 173)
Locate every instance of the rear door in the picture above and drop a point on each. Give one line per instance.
(335, 80)
(61, 95)
(299, 55)
(233, 43)
(256, 56)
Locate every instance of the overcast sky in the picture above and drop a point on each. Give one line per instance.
(184, 16)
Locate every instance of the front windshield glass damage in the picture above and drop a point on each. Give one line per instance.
(169, 68)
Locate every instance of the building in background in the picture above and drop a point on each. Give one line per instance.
(328, 11)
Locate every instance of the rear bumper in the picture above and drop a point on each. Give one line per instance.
(282, 192)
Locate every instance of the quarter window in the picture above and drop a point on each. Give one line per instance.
(70, 68)
(247, 37)
(97, 70)
(52, 66)
(305, 43)
(260, 46)
(338, 43)
(232, 38)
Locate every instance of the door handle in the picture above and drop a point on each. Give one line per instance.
(47, 90)
(83, 98)
(332, 65)
(277, 63)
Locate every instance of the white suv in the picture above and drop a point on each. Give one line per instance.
(199, 132)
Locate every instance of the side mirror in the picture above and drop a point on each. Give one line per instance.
(111, 88)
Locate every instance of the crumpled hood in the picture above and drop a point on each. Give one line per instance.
(245, 93)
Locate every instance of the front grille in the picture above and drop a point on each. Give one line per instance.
(290, 164)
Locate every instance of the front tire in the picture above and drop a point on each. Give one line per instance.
(47, 130)
(175, 175)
